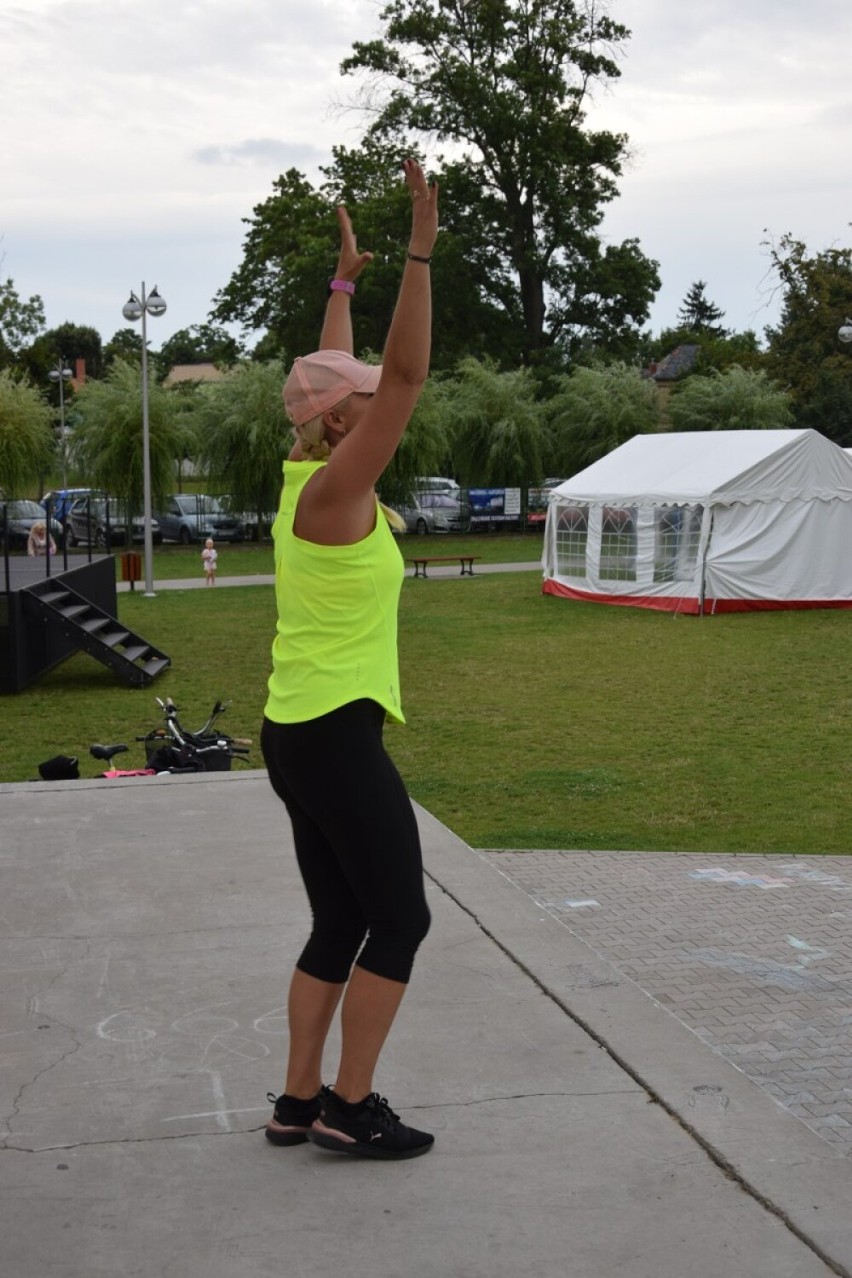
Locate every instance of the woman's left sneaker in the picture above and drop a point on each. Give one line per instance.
(292, 1119)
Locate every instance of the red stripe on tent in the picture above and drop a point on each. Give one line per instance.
(689, 607)
(661, 603)
(771, 605)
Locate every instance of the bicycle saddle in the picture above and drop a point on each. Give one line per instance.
(106, 752)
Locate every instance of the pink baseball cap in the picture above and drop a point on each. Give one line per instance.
(322, 380)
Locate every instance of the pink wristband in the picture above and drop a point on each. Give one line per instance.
(341, 286)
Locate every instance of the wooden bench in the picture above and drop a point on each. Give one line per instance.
(420, 562)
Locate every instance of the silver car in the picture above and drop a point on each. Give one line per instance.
(435, 513)
(190, 517)
(93, 521)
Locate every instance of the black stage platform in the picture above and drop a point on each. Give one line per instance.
(24, 570)
(29, 645)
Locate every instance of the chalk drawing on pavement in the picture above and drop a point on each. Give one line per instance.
(785, 976)
(804, 874)
(807, 953)
(739, 878)
(570, 903)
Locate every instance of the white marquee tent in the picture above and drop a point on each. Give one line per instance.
(706, 521)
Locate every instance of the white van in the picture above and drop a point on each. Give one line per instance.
(437, 484)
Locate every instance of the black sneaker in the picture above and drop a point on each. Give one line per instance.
(291, 1122)
(372, 1131)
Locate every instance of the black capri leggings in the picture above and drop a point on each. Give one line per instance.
(357, 842)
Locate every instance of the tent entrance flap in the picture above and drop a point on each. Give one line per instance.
(707, 536)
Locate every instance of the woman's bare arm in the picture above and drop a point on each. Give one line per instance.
(337, 329)
(359, 460)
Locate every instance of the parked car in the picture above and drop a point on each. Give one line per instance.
(91, 521)
(435, 513)
(438, 484)
(61, 499)
(20, 517)
(188, 517)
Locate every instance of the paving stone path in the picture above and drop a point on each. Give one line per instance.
(752, 953)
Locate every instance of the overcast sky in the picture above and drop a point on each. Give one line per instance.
(138, 133)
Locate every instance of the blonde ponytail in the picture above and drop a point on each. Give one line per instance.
(311, 436)
(395, 520)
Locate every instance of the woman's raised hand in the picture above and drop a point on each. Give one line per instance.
(424, 209)
(350, 263)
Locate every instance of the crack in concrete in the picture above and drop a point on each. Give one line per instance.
(104, 937)
(522, 1096)
(32, 1005)
(246, 1131)
(25, 1087)
(715, 1155)
(128, 1140)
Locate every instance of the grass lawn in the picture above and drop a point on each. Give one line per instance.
(532, 721)
(247, 559)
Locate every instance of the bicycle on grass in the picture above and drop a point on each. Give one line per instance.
(170, 749)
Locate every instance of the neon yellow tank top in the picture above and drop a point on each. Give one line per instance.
(336, 638)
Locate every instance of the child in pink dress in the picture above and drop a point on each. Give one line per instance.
(208, 558)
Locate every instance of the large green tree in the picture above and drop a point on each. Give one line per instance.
(27, 444)
(520, 272)
(108, 434)
(737, 399)
(198, 344)
(496, 425)
(126, 344)
(21, 320)
(805, 354)
(278, 287)
(290, 249)
(596, 409)
(69, 342)
(507, 82)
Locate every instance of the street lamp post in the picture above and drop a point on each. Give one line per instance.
(136, 308)
(61, 374)
(845, 331)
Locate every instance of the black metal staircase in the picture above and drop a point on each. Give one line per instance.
(95, 631)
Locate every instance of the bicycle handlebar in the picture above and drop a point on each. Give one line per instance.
(205, 741)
